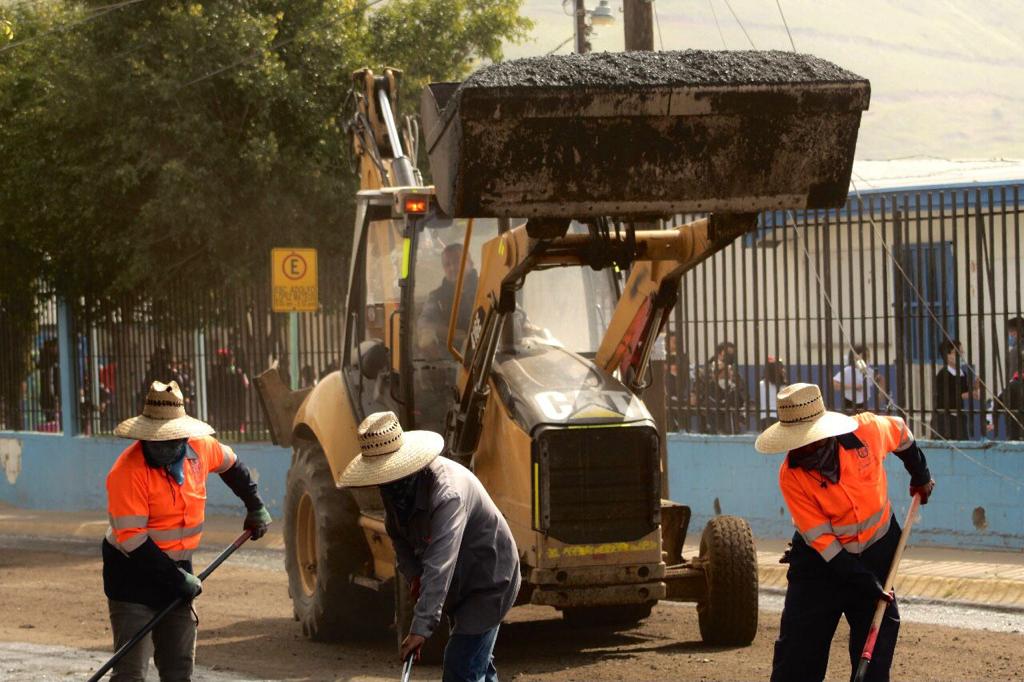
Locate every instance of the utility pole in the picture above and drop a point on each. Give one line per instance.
(638, 22)
(582, 39)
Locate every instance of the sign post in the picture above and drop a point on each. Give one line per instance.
(294, 290)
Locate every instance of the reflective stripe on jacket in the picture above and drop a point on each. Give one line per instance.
(854, 513)
(146, 502)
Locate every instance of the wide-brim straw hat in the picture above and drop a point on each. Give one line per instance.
(803, 419)
(163, 417)
(388, 453)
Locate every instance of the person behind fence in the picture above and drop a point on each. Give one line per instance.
(228, 389)
(49, 381)
(951, 388)
(678, 380)
(1014, 346)
(721, 394)
(857, 379)
(768, 388)
(156, 501)
(451, 543)
(1009, 405)
(834, 483)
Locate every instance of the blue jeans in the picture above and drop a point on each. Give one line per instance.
(470, 658)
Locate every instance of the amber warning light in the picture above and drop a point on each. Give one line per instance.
(415, 205)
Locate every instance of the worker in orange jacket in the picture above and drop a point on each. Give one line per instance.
(834, 483)
(156, 500)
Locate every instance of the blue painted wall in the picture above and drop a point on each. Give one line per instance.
(726, 474)
(69, 473)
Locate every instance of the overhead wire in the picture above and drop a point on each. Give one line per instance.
(657, 22)
(721, 35)
(93, 13)
(560, 45)
(778, 3)
(881, 389)
(742, 27)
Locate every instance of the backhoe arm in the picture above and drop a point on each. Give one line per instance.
(650, 292)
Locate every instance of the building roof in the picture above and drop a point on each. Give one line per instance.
(919, 174)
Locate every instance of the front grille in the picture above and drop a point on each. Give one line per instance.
(596, 484)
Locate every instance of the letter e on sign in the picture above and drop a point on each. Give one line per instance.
(293, 280)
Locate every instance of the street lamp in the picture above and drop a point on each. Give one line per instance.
(582, 28)
(602, 16)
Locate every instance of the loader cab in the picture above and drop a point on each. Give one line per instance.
(407, 256)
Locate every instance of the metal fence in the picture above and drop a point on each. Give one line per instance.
(30, 385)
(116, 350)
(894, 275)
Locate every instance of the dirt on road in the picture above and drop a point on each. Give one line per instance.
(55, 597)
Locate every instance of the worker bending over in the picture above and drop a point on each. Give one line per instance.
(156, 499)
(834, 483)
(451, 542)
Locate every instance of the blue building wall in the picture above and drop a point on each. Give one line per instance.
(972, 506)
(69, 473)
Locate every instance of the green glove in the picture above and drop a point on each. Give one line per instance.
(191, 586)
(257, 521)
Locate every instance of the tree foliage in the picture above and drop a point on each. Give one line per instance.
(164, 147)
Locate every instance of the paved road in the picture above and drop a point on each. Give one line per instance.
(53, 627)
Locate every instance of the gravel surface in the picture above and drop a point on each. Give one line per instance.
(53, 618)
(646, 69)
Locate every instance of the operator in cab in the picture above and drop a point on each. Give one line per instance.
(451, 543)
(156, 501)
(436, 311)
(834, 483)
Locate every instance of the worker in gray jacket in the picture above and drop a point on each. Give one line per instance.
(452, 544)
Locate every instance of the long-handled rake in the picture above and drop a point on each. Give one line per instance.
(876, 622)
(126, 647)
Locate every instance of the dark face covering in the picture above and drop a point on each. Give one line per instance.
(401, 494)
(821, 456)
(166, 454)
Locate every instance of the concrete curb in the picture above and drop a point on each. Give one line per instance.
(980, 593)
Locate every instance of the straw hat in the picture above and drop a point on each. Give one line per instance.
(163, 417)
(388, 453)
(803, 419)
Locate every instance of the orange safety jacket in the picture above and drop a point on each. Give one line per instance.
(854, 513)
(146, 502)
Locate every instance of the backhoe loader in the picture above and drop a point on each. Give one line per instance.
(513, 305)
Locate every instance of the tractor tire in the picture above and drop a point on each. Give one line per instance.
(621, 616)
(432, 652)
(324, 547)
(728, 614)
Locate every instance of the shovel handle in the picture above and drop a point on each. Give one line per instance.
(407, 668)
(876, 622)
(137, 637)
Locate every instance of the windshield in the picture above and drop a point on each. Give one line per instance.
(569, 307)
(438, 258)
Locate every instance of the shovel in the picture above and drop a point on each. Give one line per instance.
(876, 622)
(119, 654)
(407, 668)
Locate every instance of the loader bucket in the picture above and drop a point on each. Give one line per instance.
(644, 134)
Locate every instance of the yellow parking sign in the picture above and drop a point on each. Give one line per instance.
(293, 280)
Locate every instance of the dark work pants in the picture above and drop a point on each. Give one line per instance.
(816, 599)
(172, 643)
(470, 658)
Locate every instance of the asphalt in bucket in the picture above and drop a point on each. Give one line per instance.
(647, 69)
